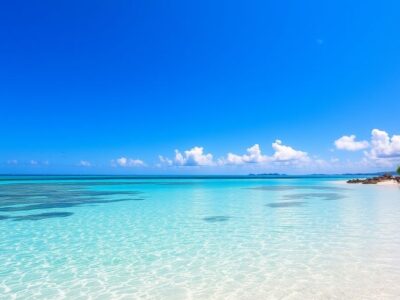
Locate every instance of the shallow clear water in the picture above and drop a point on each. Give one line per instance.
(299, 238)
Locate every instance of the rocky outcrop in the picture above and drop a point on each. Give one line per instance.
(375, 180)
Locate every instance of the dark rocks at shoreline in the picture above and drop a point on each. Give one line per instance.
(375, 180)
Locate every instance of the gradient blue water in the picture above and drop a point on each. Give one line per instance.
(173, 238)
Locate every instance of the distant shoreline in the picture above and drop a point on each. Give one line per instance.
(386, 179)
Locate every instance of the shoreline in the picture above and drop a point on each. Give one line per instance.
(389, 182)
(386, 179)
(382, 183)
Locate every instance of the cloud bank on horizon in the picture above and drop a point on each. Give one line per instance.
(382, 150)
(197, 157)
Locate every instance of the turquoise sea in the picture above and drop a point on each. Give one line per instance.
(197, 238)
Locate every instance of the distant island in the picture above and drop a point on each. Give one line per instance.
(268, 174)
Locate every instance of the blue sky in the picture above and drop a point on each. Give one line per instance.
(102, 86)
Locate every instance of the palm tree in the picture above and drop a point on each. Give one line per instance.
(398, 170)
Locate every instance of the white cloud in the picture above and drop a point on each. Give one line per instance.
(383, 146)
(127, 162)
(384, 152)
(165, 161)
(253, 155)
(192, 157)
(286, 153)
(85, 163)
(349, 143)
(283, 154)
(31, 162)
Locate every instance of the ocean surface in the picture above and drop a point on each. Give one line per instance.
(198, 238)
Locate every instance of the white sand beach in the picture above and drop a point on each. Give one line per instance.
(388, 182)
